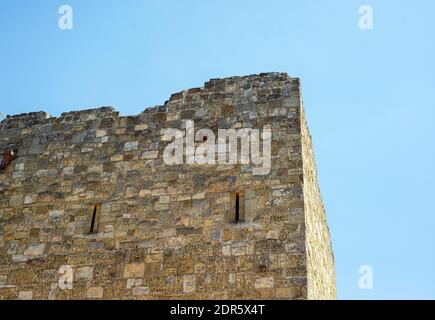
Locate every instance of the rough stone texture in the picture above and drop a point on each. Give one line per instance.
(163, 232)
(320, 258)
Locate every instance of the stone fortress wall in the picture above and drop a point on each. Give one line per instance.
(89, 197)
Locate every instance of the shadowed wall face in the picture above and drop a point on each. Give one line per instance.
(89, 208)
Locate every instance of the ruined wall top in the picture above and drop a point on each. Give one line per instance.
(258, 87)
(92, 191)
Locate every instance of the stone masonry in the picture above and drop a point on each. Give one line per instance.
(89, 209)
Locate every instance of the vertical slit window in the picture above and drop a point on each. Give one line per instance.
(237, 207)
(237, 213)
(94, 216)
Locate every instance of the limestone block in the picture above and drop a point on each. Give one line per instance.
(152, 269)
(266, 282)
(133, 283)
(25, 295)
(55, 214)
(34, 250)
(153, 154)
(95, 293)
(140, 291)
(30, 198)
(134, 270)
(101, 133)
(131, 145)
(16, 200)
(84, 273)
(189, 284)
(117, 157)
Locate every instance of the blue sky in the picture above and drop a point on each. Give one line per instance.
(369, 97)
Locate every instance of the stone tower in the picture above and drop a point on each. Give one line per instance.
(90, 208)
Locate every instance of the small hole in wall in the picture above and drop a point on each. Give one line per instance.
(204, 138)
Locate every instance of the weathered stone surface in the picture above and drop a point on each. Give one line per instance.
(89, 209)
(134, 270)
(320, 261)
(95, 293)
(16, 200)
(131, 145)
(34, 250)
(266, 282)
(25, 295)
(140, 291)
(84, 273)
(189, 284)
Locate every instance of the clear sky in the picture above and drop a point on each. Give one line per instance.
(369, 97)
